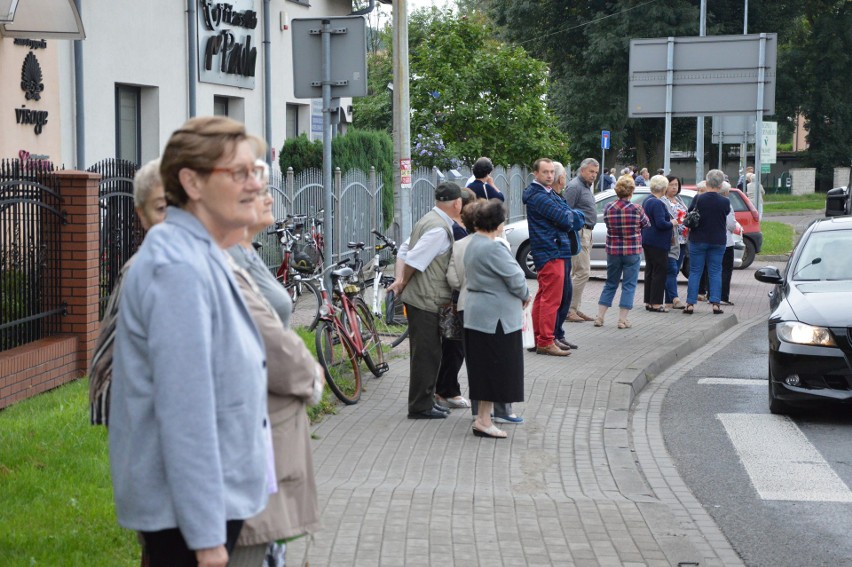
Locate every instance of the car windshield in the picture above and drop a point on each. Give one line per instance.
(825, 256)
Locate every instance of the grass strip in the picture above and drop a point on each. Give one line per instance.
(777, 238)
(55, 490)
(793, 203)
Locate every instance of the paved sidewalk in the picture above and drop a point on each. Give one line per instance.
(566, 487)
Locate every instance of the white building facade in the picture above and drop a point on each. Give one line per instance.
(149, 66)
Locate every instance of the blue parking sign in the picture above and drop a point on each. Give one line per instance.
(604, 139)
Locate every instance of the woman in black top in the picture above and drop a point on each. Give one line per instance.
(483, 186)
(707, 241)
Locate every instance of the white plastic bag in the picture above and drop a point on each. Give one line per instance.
(527, 330)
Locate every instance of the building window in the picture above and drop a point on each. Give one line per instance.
(220, 106)
(292, 121)
(128, 135)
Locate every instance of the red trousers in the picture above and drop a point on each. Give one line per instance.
(551, 280)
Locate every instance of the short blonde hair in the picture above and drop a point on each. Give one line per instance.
(658, 184)
(624, 186)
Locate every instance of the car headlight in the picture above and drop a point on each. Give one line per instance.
(802, 334)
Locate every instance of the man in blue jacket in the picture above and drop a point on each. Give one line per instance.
(553, 239)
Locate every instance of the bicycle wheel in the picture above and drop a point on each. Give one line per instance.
(340, 362)
(373, 355)
(396, 318)
(306, 304)
(390, 321)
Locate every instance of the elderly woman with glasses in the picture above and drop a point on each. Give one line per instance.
(295, 381)
(189, 438)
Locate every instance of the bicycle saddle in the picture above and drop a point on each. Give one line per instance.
(344, 272)
(358, 245)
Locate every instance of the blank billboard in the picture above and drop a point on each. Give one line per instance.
(711, 75)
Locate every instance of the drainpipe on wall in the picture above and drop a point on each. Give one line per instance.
(191, 60)
(79, 101)
(267, 83)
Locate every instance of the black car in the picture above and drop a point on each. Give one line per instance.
(810, 328)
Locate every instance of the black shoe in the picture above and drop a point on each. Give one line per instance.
(439, 407)
(428, 414)
(531, 349)
(565, 345)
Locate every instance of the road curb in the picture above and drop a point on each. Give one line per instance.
(626, 386)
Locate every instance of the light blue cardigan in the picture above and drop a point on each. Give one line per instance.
(187, 442)
(496, 287)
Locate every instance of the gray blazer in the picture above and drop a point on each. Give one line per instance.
(187, 439)
(496, 287)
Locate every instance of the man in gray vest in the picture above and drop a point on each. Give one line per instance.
(424, 289)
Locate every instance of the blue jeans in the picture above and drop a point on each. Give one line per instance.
(699, 254)
(671, 278)
(565, 306)
(624, 269)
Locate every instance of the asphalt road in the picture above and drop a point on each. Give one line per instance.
(778, 488)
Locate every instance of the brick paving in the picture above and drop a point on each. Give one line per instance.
(568, 487)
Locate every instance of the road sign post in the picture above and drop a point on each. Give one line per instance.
(605, 137)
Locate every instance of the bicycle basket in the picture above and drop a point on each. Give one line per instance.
(303, 263)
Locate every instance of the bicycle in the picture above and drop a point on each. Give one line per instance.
(387, 309)
(345, 335)
(303, 293)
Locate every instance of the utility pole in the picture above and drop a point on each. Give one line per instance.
(401, 124)
(699, 129)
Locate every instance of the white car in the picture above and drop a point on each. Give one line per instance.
(518, 235)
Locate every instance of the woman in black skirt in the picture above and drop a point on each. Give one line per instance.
(493, 317)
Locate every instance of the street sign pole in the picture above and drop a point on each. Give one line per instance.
(605, 137)
(758, 126)
(667, 153)
(326, 147)
(699, 127)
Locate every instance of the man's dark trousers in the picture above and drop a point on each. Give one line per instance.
(424, 338)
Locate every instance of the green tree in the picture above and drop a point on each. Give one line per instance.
(586, 45)
(816, 69)
(470, 93)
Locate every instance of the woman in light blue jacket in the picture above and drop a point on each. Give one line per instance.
(493, 316)
(188, 438)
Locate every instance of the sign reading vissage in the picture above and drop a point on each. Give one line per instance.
(227, 40)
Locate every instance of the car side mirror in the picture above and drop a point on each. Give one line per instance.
(769, 274)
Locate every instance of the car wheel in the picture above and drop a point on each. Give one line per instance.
(748, 254)
(776, 406)
(526, 261)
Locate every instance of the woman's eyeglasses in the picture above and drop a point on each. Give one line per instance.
(258, 172)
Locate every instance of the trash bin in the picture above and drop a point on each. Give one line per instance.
(837, 202)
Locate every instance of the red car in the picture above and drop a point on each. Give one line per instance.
(749, 218)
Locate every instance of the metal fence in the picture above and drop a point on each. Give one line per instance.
(30, 253)
(357, 196)
(120, 231)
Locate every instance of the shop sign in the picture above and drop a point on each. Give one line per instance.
(32, 84)
(227, 42)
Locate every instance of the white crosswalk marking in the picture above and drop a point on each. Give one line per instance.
(732, 382)
(781, 462)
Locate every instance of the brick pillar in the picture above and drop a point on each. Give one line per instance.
(80, 245)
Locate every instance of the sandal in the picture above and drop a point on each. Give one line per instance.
(716, 309)
(689, 309)
(624, 324)
(727, 303)
(678, 304)
(660, 309)
(599, 321)
(492, 432)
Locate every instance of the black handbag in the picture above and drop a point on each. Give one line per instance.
(692, 218)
